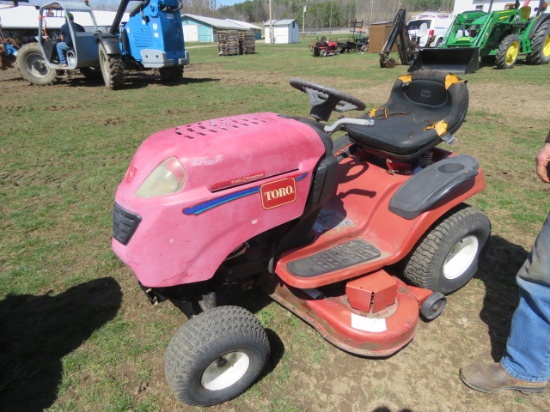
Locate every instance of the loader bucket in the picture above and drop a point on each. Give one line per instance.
(453, 60)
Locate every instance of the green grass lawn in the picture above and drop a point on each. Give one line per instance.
(76, 332)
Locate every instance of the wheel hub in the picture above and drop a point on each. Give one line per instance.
(460, 257)
(225, 371)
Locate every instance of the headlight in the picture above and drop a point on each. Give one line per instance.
(167, 178)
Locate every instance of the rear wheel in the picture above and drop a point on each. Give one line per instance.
(33, 66)
(171, 74)
(448, 255)
(216, 356)
(540, 45)
(508, 52)
(112, 69)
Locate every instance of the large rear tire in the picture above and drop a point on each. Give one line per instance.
(171, 74)
(33, 66)
(216, 356)
(447, 257)
(112, 69)
(540, 45)
(508, 52)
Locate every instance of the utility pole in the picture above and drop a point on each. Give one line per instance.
(271, 34)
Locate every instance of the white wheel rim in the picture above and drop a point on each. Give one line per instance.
(461, 257)
(225, 371)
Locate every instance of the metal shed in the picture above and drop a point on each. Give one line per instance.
(284, 31)
(204, 29)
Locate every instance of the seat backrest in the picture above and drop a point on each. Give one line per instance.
(426, 92)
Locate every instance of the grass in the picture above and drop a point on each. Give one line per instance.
(65, 148)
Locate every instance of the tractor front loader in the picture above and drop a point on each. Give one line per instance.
(494, 37)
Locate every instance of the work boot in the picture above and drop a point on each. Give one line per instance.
(492, 378)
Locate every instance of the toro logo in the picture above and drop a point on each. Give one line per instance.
(278, 193)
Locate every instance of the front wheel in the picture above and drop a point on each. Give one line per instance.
(216, 356)
(33, 66)
(447, 257)
(112, 69)
(171, 74)
(508, 52)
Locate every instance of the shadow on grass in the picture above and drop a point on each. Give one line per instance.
(133, 80)
(498, 271)
(38, 331)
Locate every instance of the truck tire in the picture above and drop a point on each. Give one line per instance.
(508, 52)
(33, 66)
(216, 356)
(112, 69)
(540, 45)
(447, 256)
(171, 74)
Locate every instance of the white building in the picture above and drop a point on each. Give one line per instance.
(284, 31)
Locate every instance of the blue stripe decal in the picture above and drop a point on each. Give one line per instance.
(210, 204)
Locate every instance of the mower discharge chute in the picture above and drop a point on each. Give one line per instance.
(497, 36)
(358, 236)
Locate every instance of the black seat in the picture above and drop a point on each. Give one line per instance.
(423, 106)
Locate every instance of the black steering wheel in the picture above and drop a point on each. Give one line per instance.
(325, 99)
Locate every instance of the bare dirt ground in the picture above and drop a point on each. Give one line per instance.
(312, 375)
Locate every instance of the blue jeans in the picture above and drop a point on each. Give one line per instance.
(61, 51)
(527, 355)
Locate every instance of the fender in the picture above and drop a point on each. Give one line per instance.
(111, 44)
(437, 181)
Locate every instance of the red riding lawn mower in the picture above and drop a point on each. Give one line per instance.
(324, 48)
(358, 236)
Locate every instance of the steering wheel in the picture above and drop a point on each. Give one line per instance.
(324, 99)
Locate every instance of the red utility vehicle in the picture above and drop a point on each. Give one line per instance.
(356, 236)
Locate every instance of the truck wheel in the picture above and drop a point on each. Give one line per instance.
(171, 74)
(33, 66)
(508, 52)
(112, 69)
(216, 356)
(447, 257)
(540, 45)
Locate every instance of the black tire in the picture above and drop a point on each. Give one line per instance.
(93, 73)
(322, 52)
(216, 356)
(33, 66)
(171, 74)
(508, 52)
(112, 69)
(433, 306)
(540, 45)
(447, 256)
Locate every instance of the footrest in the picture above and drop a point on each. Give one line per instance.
(339, 257)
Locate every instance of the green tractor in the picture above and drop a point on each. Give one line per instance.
(494, 37)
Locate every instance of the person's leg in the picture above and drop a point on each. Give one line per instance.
(525, 365)
(61, 50)
(527, 354)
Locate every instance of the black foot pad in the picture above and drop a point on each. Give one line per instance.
(339, 257)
